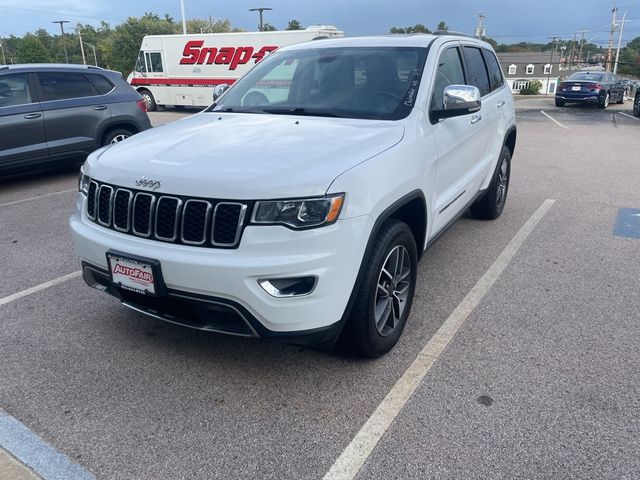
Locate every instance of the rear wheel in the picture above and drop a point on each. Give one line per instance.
(604, 103)
(636, 105)
(385, 294)
(490, 205)
(149, 100)
(117, 135)
(559, 103)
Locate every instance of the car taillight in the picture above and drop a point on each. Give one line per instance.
(593, 86)
(142, 105)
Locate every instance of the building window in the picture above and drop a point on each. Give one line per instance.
(512, 69)
(530, 69)
(547, 69)
(521, 84)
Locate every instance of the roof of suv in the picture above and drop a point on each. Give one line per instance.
(393, 40)
(49, 66)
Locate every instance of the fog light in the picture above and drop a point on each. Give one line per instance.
(288, 287)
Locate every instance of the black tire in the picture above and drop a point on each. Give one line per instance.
(362, 334)
(636, 105)
(604, 103)
(621, 101)
(559, 103)
(152, 106)
(116, 135)
(491, 204)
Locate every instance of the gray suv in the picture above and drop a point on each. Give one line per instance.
(52, 115)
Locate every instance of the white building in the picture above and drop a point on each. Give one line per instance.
(520, 68)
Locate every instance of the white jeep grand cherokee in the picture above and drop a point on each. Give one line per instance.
(296, 208)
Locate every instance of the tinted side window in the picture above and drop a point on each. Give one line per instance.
(450, 72)
(100, 83)
(477, 70)
(495, 75)
(14, 90)
(58, 86)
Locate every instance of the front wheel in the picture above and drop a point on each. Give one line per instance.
(385, 295)
(636, 105)
(490, 205)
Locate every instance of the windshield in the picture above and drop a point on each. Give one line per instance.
(356, 82)
(596, 77)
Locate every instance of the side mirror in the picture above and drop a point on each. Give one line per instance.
(219, 90)
(458, 100)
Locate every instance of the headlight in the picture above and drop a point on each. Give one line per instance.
(303, 213)
(83, 183)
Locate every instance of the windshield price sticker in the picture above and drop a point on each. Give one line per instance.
(132, 275)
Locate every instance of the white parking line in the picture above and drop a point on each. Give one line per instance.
(630, 116)
(553, 120)
(15, 202)
(354, 456)
(37, 288)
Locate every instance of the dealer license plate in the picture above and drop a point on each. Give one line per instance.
(132, 274)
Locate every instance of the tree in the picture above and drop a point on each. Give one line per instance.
(294, 25)
(418, 28)
(443, 26)
(203, 25)
(267, 27)
(31, 50)
(127, 38)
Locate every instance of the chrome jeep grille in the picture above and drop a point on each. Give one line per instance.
(167, 218)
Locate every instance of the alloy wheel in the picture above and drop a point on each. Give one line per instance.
(392, 290)
(503, 183)
(119, 138)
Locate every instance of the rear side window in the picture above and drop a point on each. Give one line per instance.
(14, 90)
(477, 70)
(62, 85)
(100, 83)
(450, 72)
(495, 75)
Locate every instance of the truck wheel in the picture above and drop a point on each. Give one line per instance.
(636, 105)
(115, 136)
(385, 294)
(149, 100)
(490, 205)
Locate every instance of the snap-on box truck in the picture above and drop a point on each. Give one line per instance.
(182, 70)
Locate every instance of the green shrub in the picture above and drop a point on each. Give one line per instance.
(528, 91)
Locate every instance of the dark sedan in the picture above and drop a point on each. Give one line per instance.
(599, 88)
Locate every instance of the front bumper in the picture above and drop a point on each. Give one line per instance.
(196, 277)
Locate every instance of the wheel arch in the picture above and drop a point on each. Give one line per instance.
(510, 139)
(411, 209)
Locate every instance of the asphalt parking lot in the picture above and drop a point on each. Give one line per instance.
(542, 380)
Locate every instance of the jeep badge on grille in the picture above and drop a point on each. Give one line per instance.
(148, 183)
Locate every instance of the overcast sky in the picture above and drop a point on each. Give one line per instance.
(506, 21)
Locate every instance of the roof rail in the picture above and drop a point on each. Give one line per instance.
(447, 32)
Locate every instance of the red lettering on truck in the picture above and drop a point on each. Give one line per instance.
(195, 54)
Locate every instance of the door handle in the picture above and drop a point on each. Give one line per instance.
(100, 107)
(476, 118)
(500, 103)
(31, 116)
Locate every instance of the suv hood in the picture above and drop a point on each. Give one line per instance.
(244, 156)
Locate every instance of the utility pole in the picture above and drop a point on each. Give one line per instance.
(84, 60)
(572, 54)
(613, 29)
(581, 44)
(184, 21)
(64, 46)
(260, 10)
(553, 40)
(95, 58)
(615, 66)
(4, 59)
